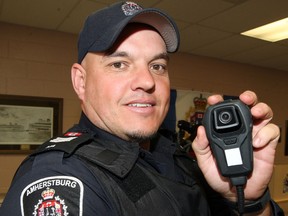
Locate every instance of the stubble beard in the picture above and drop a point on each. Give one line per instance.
(140, 137)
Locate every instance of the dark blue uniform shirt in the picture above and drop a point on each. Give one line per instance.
(51, 184)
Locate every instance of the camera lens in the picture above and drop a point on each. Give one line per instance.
(225, 117)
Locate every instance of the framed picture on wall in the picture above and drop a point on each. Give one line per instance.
(26, 122)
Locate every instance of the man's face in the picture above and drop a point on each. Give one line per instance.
(127, 90)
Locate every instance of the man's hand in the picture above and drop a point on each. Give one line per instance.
(265, 139)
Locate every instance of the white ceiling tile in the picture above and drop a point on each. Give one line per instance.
(103, 1)
(146, 3)
(196, 36)
(76, 18)
(189, 10)
(207, 27)
(74, 22)
(36, 13)
(250, 14)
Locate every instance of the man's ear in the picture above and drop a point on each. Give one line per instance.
(78, 76)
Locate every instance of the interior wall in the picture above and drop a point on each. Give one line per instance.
(216, 76)
(36, 62)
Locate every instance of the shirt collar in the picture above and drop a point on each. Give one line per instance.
(162, 149)
(158, 144)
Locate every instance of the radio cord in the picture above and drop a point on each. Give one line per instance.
(239, 182)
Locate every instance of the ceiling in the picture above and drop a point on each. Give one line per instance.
(207, 27)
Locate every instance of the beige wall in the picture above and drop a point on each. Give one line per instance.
(211, 75)
(37, 62)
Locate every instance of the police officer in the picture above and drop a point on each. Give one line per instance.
(114, 162)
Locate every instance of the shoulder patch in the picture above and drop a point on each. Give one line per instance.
(56, 195)
(67, 143)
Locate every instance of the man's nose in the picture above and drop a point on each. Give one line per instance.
(143, 79)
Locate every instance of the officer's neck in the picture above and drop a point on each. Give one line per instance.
(145, 145)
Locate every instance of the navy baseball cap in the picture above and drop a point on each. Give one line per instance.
(102, 28)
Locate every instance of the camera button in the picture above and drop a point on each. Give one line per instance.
(230, 141)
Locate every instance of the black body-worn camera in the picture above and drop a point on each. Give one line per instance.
(229, 130)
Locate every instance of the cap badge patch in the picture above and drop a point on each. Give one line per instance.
(129, 8)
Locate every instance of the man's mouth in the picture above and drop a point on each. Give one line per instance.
(140, 105)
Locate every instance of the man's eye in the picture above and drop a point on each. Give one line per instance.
(158, 68)
(118, 65)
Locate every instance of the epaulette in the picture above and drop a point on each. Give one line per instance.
(67, 143)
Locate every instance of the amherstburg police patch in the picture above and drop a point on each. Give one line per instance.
(57, 196)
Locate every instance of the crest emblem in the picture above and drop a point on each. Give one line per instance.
(129, 8)
(50, 205)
